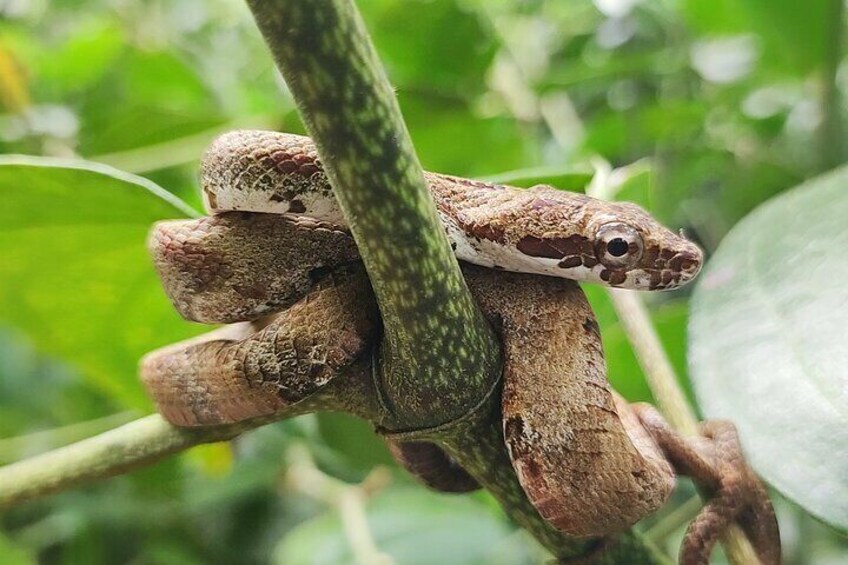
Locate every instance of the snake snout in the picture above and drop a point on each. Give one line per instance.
(691, 262)
(682, 267)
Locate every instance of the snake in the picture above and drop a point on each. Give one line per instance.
(276, 260)
(540, 230)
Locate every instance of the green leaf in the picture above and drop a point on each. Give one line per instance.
(414, 527)
(768, 344)
(453, 63)
(785, 28)
(571, 178)
(478, 145)
(355, 448)
(82, 60)
(75, 276)
(162, 98)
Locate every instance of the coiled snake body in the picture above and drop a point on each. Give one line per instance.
(590, 463)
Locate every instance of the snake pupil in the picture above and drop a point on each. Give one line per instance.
(617, 247)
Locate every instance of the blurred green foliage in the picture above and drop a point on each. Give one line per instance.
(707, 109)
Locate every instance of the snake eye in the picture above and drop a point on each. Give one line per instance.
(618, 245)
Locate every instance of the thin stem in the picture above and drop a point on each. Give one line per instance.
(665, 387)
(117, 451)
(15, 448)
(350, 501)
(439, 357)
(149, 439)
(831, 130)
(654, 361)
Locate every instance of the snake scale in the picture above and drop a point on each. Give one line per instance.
(275, 256)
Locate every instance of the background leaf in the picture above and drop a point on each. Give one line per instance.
(75, 274)
(768, 344)
(441, 529)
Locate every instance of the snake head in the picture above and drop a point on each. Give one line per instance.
(618, 244)
(633, 250)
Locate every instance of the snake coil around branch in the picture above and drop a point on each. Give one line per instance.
(275, 260)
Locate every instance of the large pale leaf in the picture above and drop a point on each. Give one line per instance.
(74, 274)
(769, 342)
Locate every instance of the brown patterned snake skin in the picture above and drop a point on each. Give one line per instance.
(539, 230)
(591, 464)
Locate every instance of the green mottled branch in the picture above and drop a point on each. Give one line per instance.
(439, 357)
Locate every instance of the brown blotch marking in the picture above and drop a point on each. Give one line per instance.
(297, 207)
(667, 254)
(287, 167)
(267, 162)
(605, 275)
(487, 231)
(532, 470)
(553, 248)
(589, 261)
(536, 247)
(571, 262)
(650, 255)
(682, 262)
(675, 262)
(309, 169)
(656, 278)
(617, 277)
(514, 428)
(277, 197)
(255, 291)
(667, 276)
